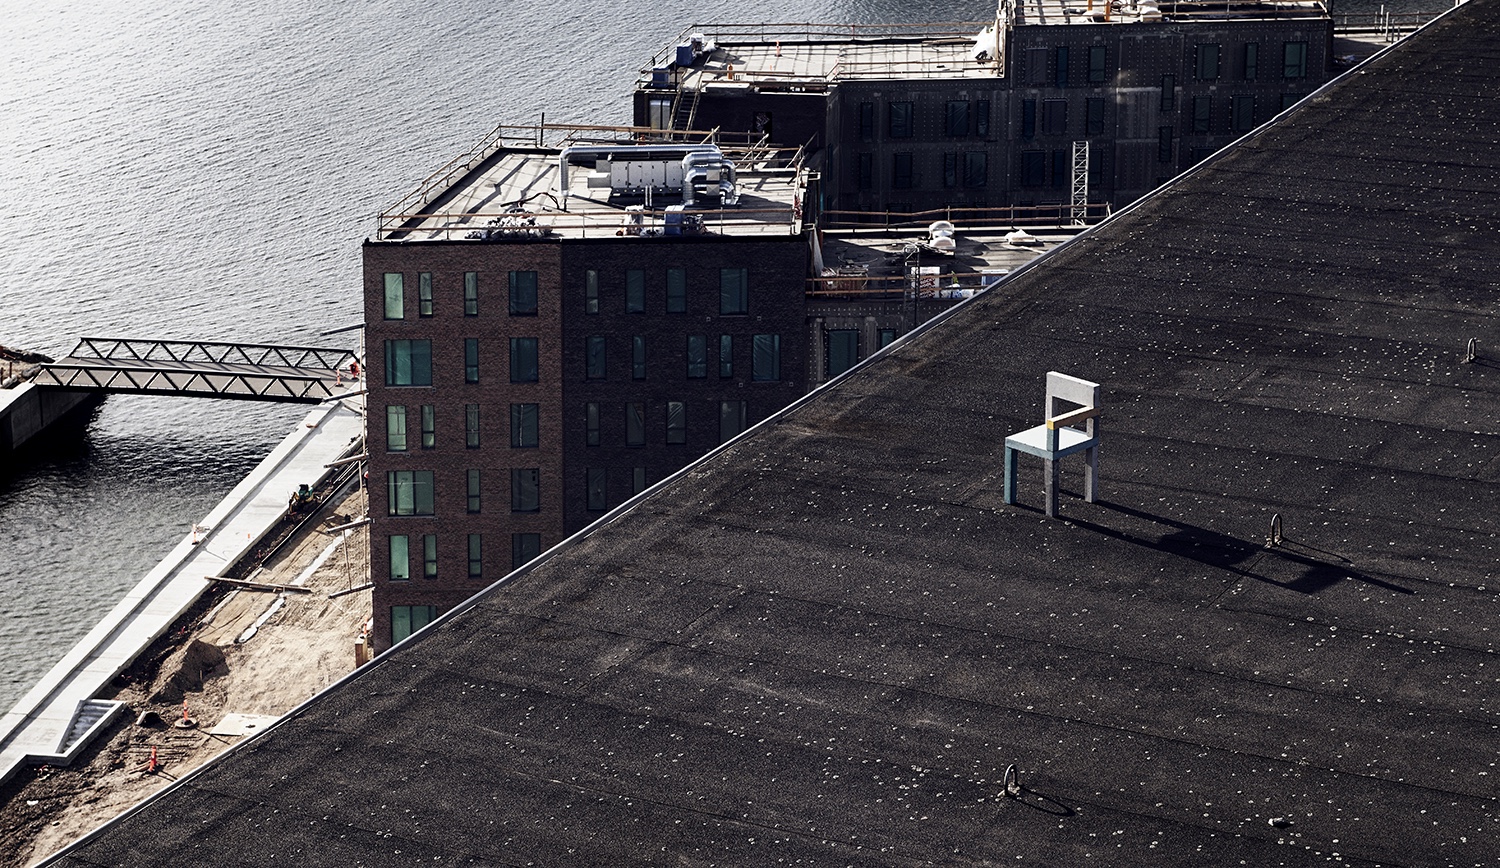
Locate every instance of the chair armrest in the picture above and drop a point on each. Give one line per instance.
(1072, 418)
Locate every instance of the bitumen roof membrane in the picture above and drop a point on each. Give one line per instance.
(826, 643)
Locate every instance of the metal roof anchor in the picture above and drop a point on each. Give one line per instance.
(1012, 782)
(1274, 539)
(1471, 351)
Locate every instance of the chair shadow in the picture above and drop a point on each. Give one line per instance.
(1222, 551)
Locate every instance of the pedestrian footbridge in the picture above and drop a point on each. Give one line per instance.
(248, 372)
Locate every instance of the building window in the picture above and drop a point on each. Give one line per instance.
(596, 357)
(476, 556)
(523, 426)
(591, 424)
(734, 291)
(424, 294)
(843, 350)
(1252, 60)
(1208, 62)
(1097, 73)
(471, 293)
(676, 290)
(635, 424)
(1033, 168)
(591, 291)
(726, 356)
(976, 170)
(901, 120)
(958, 117)
(1203, 112)
(887, 337)
(1062, 168)
(1169, 93)
(473, 490)
(1294, 60)
(523, 293)
(638, 357)
(429, 426)
(901, 176)
(408, 363)
(471, 360)
(1164, 144)
(1036, 66)
(1028, 118)
(524, 547)
(395, 428)
(676, 423)
(866, 121)
(637, 480)
(395, 296)
(525, 495)
(1054, 117)
(635, 290)
(765, 364)
(408, 492)
(1242, 113)
(471, 426)
(982, 118)
(697, 357)
(1290, 99)
(731, 420)
(400, 558)
(597, 498)
(523, 367)
(429, 556)
(406, 620)
(865, 171)
(950, 169)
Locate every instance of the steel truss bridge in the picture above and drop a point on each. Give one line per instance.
(247, 372)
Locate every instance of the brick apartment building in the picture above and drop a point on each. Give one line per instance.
(918, 120)
(520, 386)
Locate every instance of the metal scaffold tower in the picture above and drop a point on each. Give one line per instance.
(1080, 183)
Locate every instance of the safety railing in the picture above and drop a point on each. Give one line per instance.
(520, 226)
(1059, 215)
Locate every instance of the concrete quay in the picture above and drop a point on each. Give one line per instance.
(58, 717)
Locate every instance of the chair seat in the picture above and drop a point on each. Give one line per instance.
(1033, 441)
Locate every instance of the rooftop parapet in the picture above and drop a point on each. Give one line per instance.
(568, 181)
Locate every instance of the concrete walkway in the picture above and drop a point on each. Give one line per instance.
(53, 722)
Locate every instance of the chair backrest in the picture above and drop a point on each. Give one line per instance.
(1061, 387)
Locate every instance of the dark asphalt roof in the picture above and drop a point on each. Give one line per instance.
(826, 644)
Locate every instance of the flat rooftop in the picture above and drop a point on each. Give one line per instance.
(1067, 12)
(827, 642)
(516, 193)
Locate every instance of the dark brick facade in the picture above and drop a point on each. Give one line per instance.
(776, 270)
(450, 457)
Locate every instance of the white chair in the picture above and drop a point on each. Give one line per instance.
(1070, 402)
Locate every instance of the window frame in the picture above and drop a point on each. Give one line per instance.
(419, 493)
(471, 293)
(525, 490)
(520, 349)
(522, 289)
(696, 356)
(901, 119)
(398, 547)
(476, 556)
(429, 556)
(635, 424)
(471, 426)
(1206, 62)
(395, 295)
(596, 485)
(676, 289)
(956, 118)
(726, 356)
(676, 423)
(734, 291)
(765, 347)
(637, 357)
(416, 360)
(591, 291)
(424, 294)
(635, 290)
(473, 492)
(471, 360)
(395, 418)
(525, 426)
(1294, 69)
(1098, 64)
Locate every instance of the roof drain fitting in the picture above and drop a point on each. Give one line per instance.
(1274, 539)
(1471, 352)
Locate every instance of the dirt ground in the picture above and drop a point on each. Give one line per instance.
(220, 660)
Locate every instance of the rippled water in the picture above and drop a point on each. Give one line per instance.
(206, 170)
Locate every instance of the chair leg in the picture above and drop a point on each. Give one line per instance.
(1091, 474)
(1012, 457)
(1052, 482)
